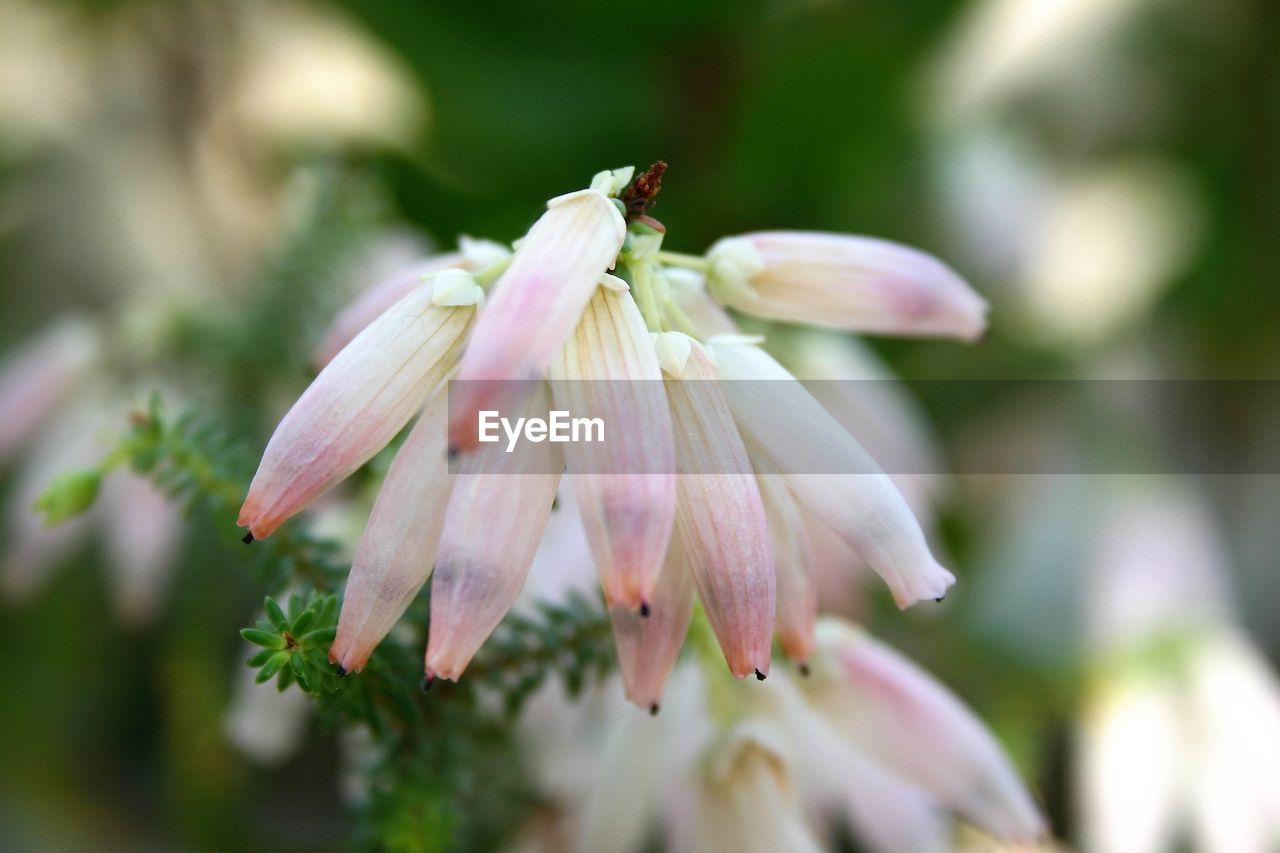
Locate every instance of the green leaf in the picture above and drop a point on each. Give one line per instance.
(261, 657)
(273, 665)
(69, 495)
(266, 639)
(320, 636)
(275, 614)
(304, 622)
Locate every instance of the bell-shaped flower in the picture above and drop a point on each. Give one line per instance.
(625, 483)
(1235, 723)
(362, 399)
(397, 550)
(828, 471)
(899, 716)
(649, 646)
(535, 305)
(1132, 764)
(37, 377)
(719, 514)
(886, 813)
(496, 516)
(857, 283)
(746, 798)
(142, 531)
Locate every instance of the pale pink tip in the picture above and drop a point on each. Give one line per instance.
(496, 517)
(624, 484)
(396, 553)
(720, 516)
(649, 645)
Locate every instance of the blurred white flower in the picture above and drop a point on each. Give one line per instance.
(1002, 48)
(1110, 240)
(305, 74)
(43, 80)
(1181, 731)
(768, 768)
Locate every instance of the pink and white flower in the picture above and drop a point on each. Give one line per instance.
(689, 440)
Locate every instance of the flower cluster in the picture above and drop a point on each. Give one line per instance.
(867, 740)
(703, 496)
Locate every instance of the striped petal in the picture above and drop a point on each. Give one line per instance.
(398, 547)
(901, 717)
(497, 514)
(361, 399)
(797, 604)
(536, 304)
(371, 304)
(625, 485)
(857, 283)
(786, 426)
(648, 647)
(719, 514)
(473, 255)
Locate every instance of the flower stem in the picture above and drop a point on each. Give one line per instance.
(682, 259)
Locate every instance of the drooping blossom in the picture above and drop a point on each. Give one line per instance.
(1180, 728)
(768, 767)
(856, 283)
(626, 332)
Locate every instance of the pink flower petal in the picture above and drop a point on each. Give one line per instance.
(535, 305)
(625, 485)
(397, 551)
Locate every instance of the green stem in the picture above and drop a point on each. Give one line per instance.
(681, 259)
(681, 320)
(642, 288)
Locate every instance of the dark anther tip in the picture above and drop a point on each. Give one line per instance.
(804, 669)
(759, 675)
(644, 610)
(653, 710)
(342, 671)
(247, 539)
(940, 598)
(452, 453)
(427, 681)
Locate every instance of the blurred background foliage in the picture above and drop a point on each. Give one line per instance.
(211, 177)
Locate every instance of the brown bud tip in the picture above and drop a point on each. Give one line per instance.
(427, 681)
(759, 675)
(644, 610)
(804, 669)
(247, 539)
(653, 710)
(342, 671)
